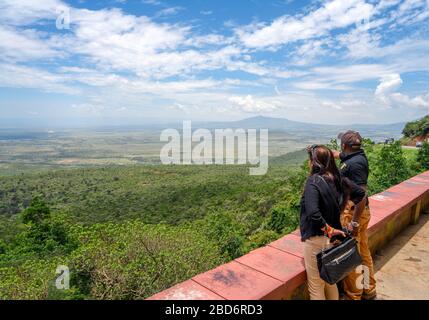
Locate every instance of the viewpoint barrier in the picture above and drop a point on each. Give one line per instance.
(276, 271)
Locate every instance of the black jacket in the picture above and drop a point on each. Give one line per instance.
(320, 205)
(355, 167)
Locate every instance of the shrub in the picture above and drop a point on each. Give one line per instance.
(29, 280)
(221, 228)
(417, 128)
(423, 156)
(43, 232)
(133, 260)
(259, 239)
(388, 167)
(283, 219)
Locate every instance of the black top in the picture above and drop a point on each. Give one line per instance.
(319, 208)
(355, 167)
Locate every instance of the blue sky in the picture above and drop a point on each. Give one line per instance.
(134, 61)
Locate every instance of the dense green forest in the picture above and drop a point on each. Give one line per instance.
(127, 232)
(417, 128)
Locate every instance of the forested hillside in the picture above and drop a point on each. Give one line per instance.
(127, 232)
(419, 127)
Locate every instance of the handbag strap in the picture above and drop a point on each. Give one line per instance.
(331, 195)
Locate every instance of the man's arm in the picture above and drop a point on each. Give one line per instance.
(336, 154)
(358, 196)
(359, 209)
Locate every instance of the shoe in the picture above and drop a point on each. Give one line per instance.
(371, 297)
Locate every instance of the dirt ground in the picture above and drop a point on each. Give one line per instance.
(402, 268)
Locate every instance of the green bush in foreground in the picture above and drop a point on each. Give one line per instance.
(388, 166)
(115, 261)
(29, 280)
(423, 156)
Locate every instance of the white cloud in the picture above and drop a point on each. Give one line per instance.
(16, 76)
(122, 42)
(333, 15)
(168, 11)
(351, 73)
(113, 40)
(319, 85)
(115, 59)
(88, 109)
(345, 104)
(387, 95)
(388, 84)
(152, 2)
(340, 77)
(208, 39)
(332, 105)
(26, 12)
(361, 43)
(384, 4)
(24, 45)
(404, 100)
(309, 52)
(251, 105)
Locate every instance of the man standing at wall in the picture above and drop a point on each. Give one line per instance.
(354, 165)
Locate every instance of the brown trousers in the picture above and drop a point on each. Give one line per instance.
(360, 282)
(317, 288)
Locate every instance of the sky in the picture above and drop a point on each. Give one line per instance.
(139, 61)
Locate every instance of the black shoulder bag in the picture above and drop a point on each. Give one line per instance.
(337, 262)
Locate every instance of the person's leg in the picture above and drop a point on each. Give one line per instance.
(331, 291)
(317, 286)
(358, 284)
(315, 283)
(351, 289)
(369, 284)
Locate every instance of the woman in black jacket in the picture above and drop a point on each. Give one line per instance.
(324, 197)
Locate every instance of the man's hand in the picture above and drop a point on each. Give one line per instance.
(336, 154)
(353, 229)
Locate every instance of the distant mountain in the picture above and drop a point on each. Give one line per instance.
(318, 132)
(275, 123)
(374, 131)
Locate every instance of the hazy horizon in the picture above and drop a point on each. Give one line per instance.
(25, 123)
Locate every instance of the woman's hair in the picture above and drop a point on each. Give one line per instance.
(323, 163)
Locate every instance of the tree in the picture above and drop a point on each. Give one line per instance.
(389, 167)
(423, 156)
(36, 213)
(283, 219)
(417, 128)
(225, 231)
(43, 232)
(333, 144)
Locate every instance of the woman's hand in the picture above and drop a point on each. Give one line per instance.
(330, 231)
(337, 232)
